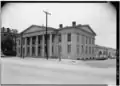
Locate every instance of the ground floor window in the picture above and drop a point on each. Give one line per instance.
(39, 51)
(92, 50)
(86, 49)
(78, 49)
(69, 48)
(28, 51)
(19, 50)
(33, 51)
(52, 50)
(89, 50)
(23, 51)
(59, 48)
(82, 49)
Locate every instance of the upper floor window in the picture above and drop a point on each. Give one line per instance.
(69, 37)
(33, 40)
(82, 39)
(77, 37)
(18, 42)
(89, 40)
(23, 41)
(39, 39)
(53, 37)
(86, 39)
(92, 41)
(59, 38)
(28, 41)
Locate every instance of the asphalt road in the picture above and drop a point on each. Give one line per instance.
(37, 71)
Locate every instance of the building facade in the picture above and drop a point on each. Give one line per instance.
(73, 42)
(104, 52)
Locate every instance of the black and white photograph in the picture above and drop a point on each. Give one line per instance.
(58, 43)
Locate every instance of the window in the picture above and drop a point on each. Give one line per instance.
(33, 40)
(59, 48)
(78, 49)
(53, 36)
(39, 39)
(86, 49)
(89, 40)
(52, 50)
(23, 41)
(33, 50)
(86, 39)
(18, 42)
(92, 41)
(82, 39)
(69, 37)
(77, 37)
(28, 41)
(89, 50)
(23, 51)
(69, 48)
(39, 50)
(92, 50)
(28, 50)
(19, 50)
(82, 49)
(59, 38)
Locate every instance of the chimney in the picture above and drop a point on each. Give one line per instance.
(8, 29)
(73, 23)
(60, 25)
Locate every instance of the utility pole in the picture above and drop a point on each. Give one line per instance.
(47, 13)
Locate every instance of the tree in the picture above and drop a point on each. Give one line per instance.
(7, 41)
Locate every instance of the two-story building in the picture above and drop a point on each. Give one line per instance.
(73, 42)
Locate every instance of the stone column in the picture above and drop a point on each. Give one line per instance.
(25, 46)
(50, 46)
(30, 46)
(36, 45)
(43, 44)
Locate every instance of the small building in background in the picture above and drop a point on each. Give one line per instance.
(104, 52)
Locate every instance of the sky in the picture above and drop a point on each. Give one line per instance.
(100, 16)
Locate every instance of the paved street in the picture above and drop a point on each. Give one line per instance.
(41, 71)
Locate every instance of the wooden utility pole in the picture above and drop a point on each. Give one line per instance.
(46, 47)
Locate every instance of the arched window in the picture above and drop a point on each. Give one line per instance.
(100, 53)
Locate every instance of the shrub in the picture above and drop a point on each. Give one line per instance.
(78, 58)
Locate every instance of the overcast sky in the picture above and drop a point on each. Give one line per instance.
(100, 16)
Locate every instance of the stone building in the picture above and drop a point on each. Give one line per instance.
(75, 41)
(104, 52)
